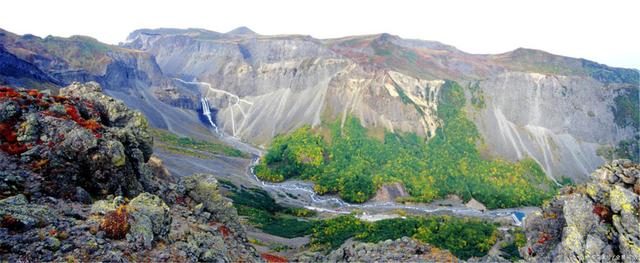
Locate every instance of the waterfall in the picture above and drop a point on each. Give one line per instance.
(207, 112)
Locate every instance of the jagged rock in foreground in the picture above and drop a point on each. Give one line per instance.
(76, 186)
(597, 222)
(66, 146)
(401, 250)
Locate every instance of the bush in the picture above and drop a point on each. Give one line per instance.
(115, 223)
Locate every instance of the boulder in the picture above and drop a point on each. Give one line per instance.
(203, 188)
(16, 213)
(150, 219)
(596, 222)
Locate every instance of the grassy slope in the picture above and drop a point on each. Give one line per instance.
(192, 147)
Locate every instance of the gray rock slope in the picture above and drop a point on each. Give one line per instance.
(560, 121)
(554, 109)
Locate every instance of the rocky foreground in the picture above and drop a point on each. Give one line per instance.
(79, 183)
(596, 222)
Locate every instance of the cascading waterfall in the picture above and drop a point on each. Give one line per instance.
(207, 112)
(230, 98)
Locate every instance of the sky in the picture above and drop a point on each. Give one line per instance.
(603, 31)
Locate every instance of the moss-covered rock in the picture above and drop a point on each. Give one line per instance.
(16, 213)
(150, 219)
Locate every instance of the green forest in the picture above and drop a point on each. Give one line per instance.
(353, 164)
(464, 238)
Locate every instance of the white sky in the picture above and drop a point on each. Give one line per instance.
(604, 31)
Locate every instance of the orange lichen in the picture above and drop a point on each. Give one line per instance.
(91, 124)
(550, 215)
(273, 258)
(115, 223)
(39, 164)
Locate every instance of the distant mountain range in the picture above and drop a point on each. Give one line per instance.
(568, 114)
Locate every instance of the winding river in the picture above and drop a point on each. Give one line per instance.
(301, 193)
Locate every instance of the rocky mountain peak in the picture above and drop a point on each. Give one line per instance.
(243, 30)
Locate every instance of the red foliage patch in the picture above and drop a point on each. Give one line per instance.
(7, 132)
(273, 258)
(224, 230)
(181, 200)
(603, 212)
(544, 238)
(6, 92)
(91, 124)
(8, 136)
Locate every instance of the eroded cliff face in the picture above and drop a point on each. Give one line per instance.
(264, 86)
(556, 110)
(560, 121)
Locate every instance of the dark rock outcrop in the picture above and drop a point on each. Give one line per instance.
(596, 222)
(81, 139)
(77, 185)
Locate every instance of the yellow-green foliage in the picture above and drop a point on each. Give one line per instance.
(354, 165)
(292, 155)
(519, 238)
